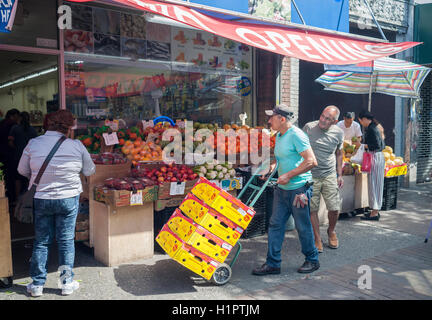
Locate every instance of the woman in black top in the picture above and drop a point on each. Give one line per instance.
(374, 144)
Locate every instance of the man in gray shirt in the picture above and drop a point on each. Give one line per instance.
(326, 139)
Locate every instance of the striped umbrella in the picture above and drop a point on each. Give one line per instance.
(385, 75)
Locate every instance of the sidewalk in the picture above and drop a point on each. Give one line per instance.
(393, 248)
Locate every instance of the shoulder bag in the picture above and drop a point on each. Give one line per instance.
(24, 208)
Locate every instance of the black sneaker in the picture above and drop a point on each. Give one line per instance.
(264, 270)
(308, 267)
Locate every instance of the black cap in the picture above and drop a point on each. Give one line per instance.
(281, 109)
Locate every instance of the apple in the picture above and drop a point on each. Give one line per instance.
(173, 179)
(160, 179)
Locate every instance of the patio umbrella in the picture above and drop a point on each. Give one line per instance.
(385, 75)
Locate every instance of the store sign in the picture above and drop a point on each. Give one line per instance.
(7, 14)
(312, 46)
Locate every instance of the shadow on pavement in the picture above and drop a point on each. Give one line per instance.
(164, 277)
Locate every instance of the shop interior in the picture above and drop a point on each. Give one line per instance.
(28, 82)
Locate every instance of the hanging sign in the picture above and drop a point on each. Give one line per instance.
(7, 14)
(310, 45)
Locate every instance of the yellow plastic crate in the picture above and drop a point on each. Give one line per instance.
(168, 241)
(211, 220)
(196, 261)
(209, 244)
(181, 225)
(206, 191)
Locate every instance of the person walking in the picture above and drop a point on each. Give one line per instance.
(19, 135)
(292, 194)
(56, 200)
(326, 139)
(374, 144)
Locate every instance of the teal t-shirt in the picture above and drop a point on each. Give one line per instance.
(287, 152)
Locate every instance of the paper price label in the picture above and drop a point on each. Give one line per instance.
(226, 246)
(110, 138)
(136, 199)
(241, 211)
(177, 188)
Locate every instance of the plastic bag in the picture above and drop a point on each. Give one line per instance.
(367, 162)
(358, 156)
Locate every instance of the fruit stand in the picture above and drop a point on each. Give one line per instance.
(133, 192)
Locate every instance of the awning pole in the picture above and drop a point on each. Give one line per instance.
(370, 92)
(298, 11)
(376, 22)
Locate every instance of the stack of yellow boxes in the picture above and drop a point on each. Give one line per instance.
(203, 230)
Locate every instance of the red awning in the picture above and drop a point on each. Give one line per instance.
(316, 46)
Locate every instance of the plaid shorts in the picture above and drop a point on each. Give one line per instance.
(328, 188)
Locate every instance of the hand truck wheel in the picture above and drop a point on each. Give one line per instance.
(222, 274)
(6, 282)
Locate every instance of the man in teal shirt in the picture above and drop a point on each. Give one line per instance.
(292, 194)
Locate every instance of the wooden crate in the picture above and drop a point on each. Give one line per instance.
(123, 234)
(5, 240)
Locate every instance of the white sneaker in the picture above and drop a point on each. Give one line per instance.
(69, 288)
(35, 291)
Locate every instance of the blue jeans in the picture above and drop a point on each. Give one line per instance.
(54, 218)
(282, 209)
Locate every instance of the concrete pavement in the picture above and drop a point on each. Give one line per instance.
(393, 248)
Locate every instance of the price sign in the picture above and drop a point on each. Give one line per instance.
(110, 139)
(136, 199)
(397, 171)
(177, 188)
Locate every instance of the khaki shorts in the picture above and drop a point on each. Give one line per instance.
(328, 188)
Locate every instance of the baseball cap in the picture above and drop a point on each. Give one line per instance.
(281, 109)
(349, 115)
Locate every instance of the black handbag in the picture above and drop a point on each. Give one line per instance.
(24, 208)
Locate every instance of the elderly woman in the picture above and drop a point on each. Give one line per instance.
(374, 143)
(56, 201)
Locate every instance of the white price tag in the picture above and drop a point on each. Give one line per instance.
(136, 199)
(226, 246)
(177, 188)
(241, 211)
(239, 230)
(110, 138)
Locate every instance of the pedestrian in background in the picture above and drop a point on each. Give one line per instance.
(326, 139)
(351, 128)
(19, 135)
(292, 194)
(374, 144)
(56, 200)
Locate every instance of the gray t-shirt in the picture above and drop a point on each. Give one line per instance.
(324, 144)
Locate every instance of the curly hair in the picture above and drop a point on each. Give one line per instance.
(60, 120)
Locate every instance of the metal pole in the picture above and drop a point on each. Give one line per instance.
(370, 92)
(298, 11)
(376, 22)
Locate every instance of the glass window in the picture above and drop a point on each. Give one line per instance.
(35, 25)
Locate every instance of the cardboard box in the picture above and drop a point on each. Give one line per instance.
(104, 171)
(124, 234)
(82, 235)
(123, 198)
(5, 240)
(168, 203)
(2, 189)
(168, 189)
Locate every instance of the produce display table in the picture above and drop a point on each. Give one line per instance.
(6, 270)
(122, 234)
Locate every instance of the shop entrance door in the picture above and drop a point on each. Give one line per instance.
(28, 83)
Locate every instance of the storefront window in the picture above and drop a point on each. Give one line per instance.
(35, 25)
(121, 65)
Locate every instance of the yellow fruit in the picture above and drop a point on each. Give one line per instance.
(386, 155)
(392, 156)
(388, 149)
(390, 163)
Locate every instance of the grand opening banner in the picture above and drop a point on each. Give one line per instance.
(315, 46)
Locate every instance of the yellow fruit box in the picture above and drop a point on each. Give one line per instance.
(223, 202)
(211, 220)
(394, 171)
(198, 237)
(185, 254)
